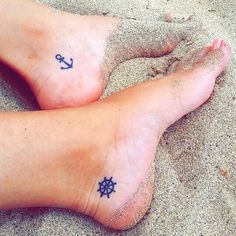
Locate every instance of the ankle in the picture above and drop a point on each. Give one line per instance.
(77, 177)
(80, 169)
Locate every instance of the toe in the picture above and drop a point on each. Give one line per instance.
(216, 55)
(216, 44)
(190, 88)
(217, 59)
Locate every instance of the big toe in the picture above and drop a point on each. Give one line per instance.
(224, 54)
(218, 57)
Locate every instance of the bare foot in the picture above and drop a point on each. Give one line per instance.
(136, 119)
(66, 59)
(97, 159)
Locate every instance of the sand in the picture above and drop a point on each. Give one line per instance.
(195, 184)
(136, 38)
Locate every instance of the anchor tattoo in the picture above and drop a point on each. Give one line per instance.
(61, 59)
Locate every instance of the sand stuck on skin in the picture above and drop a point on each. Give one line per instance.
(195, 168)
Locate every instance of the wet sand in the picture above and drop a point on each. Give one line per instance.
(195, 183)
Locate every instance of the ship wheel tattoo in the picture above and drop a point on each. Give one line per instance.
(106, 187)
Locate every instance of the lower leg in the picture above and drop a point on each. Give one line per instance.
(35, 153)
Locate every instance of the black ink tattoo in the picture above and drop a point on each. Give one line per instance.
(61, 59)
(106, 187)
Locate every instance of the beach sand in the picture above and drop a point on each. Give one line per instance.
(195, 168)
